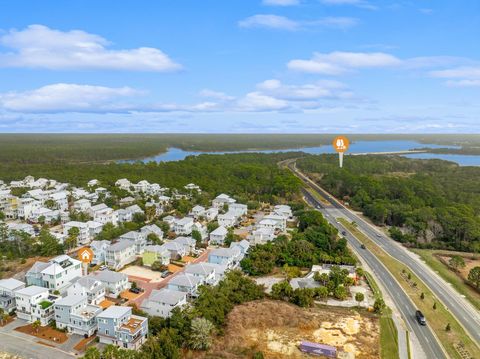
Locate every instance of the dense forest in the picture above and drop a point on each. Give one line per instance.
(247, 176)
(426, 203)
(54, 148)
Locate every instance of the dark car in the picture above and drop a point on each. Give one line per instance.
(135, 290)
(344, 233)
(420, 318)
(165, 274)
(363, 246)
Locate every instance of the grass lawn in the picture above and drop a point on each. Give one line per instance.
(388, 330)
(388, 338)
(437, 318)
(429, 257)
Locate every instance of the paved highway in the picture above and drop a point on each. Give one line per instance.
(466, 314)
(427, 340)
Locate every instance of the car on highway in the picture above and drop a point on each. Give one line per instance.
(379, 235)
(344, 233)
(363, 246)
(420, 318)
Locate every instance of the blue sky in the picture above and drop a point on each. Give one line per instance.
(241, 66)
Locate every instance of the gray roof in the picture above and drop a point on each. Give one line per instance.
(120, 245)
(32, 290)
(219, 268)
(109, 276)
(96, 245)
(11, 283)
(70, 300)
(115, 312)
(91, 283)
(199, 268)
(167, 296)
(38, 267)
(224, 252)
(185, 280)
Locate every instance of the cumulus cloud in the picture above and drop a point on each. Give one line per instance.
(38, 46)
(64, 97)
(338, 62)
(284, 23)
(304, 92)
(280, 2)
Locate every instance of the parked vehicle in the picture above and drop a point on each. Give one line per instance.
(165, 274)
(135, 290)
(103, 267)
(420, 318)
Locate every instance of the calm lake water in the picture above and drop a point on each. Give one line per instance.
(176, 154)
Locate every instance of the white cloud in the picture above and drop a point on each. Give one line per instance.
(269, 21)
(359, 3)
(63, 97)
(215, 95)
(304, 92)
(336, 63)
(285, 23)
(281, 2)
(459, 76)
(38, 46)
(258, 102)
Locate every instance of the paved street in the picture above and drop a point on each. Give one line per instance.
(424, 334)
(27, 346)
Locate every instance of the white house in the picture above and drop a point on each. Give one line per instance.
(211, 214)
(93, 182)
(183, 226)
(187, 242)
(226, 220)
(225, 256)
(103, 214)
(83, 231)
(89, 287)
(161, 302)
(262, 235)
(119, 254)
(82, 205)
(202, 229)
(185, 283)
(124, 184)
(152, 229)
(238, 209)
(94, 228)
(60, 199)
(35, 303)
(99, 248)
(115, 282)
(221, 200)
(55, 275)
(218, 235)
(280, 221)
(26, 206)
(139, 239)
(283, 210)
(204, 272)
(8, 287)
(75, 314)
(197, 211)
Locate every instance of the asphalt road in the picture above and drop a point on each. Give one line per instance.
(466, 314)
(425, 336)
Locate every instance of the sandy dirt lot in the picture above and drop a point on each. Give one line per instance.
(469, 264)
(143, 272)
(276, 329)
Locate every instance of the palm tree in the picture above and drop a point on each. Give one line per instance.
(36, 325)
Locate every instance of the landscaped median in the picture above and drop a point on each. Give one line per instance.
(450, 333)
(430, 257)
